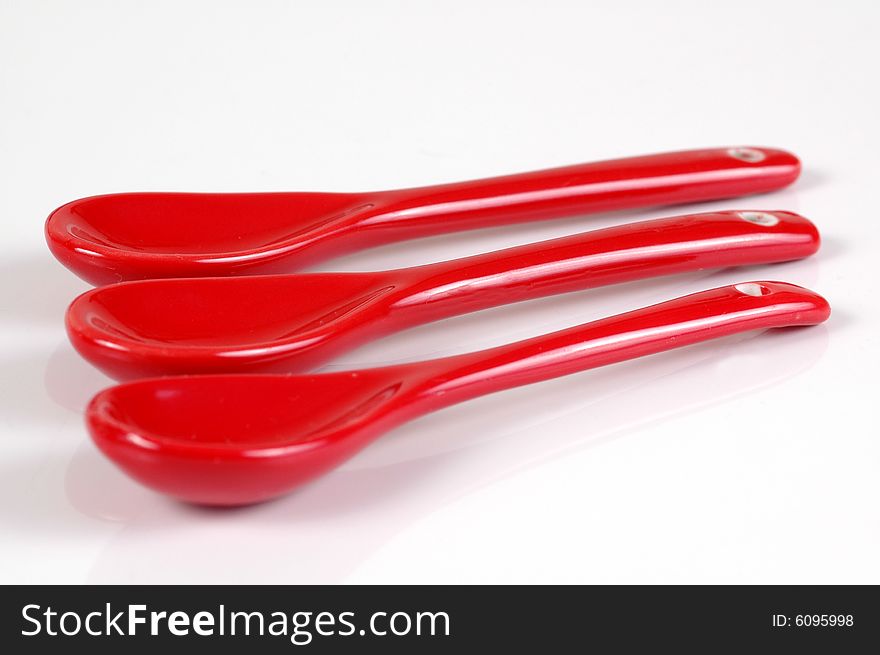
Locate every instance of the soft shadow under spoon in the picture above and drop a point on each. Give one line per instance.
(239, 439)
(294, 323)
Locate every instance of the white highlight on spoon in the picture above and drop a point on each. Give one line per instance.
(750, 155)
(751, 289)
(759, 218)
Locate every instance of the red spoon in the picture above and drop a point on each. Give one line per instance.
(135, 236)
(238, 439)
(294, 323)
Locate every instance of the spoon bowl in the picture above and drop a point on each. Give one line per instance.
(207, 325)
(255, 436)
(122, 236)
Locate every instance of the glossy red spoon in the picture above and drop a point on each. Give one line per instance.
(133, 236)
(237, 439)
(293, 323)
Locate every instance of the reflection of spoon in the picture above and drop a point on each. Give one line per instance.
(131, 236)
(230, 440)
(293, 323)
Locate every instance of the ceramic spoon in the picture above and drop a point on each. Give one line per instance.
(294, 323)
(132, 236)
(238, 439)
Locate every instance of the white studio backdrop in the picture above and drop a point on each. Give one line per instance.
(750, 460)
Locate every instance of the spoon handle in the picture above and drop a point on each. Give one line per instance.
(666, 178)
(601, 257)
(672, 324)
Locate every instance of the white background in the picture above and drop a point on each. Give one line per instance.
(750, 460)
